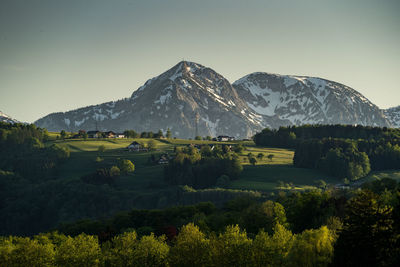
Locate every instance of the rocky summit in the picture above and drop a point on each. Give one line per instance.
(295, 100)
(5, 118)
(191, 99)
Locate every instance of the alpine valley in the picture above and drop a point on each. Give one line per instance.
(191, 99)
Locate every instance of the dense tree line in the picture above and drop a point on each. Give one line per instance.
(343, 151)
(336, 157)
(22, 151)
(310, 229)
(350, 159)
(201, 169)
(191, 247)
(289, 137)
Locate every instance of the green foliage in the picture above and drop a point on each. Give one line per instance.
(263, 216)
(312, 248)
(131, 134)
(101, 148)
(223, 181)
(198, 137)
(253, 161)
(308, 210)
(289, 137)
(63, 134)
(168, 135)
(126, 166)
(23, 251)
(239, 148)
(271, 250)
(368, 236)
(191, 248)
(82, 250)
(151, 145)
(202, 169)
(231, 248)
(270, 156)
(114, 171)
(151, 251)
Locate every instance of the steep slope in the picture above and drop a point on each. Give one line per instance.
(189, 99)
(393, 116)
(296, 100)
(5, 118)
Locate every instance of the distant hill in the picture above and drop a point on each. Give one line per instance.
(192, 99)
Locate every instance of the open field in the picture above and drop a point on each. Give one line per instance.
(267, 175)
(280, 156)
(392, 174)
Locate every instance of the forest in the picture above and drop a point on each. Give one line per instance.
(92, 203)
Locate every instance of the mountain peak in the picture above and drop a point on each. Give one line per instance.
(5, 118)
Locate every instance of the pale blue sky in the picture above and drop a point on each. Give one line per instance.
(61, 55)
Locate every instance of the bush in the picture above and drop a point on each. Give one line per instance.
(126, 166)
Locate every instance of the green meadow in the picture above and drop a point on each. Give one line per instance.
(268, 174)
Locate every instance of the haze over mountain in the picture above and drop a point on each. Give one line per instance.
(191, 99)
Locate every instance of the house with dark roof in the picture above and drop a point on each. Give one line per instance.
(94, 134)
(135, 146)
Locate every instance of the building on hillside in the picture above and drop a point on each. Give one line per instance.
(109, 134)
(119, 135)
(135, 146)
(224, 138)
(94, 134)
(164, 159)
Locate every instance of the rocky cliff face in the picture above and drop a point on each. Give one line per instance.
(191, 100)
(393, 116)
(296, 100)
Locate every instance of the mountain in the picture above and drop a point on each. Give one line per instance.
(295, 100)
(393, 116)
(189, 98)
(6, 118)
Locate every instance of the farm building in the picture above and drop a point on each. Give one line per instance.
(109, 134)
(119, 135)
(94, 134)
(223, 138)
(135, 146)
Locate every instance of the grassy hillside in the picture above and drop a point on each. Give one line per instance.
(267, 175)
(274, 177)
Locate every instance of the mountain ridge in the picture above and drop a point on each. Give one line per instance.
(6, 118)
(192, 99)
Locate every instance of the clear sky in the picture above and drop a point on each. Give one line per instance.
(61, 55)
